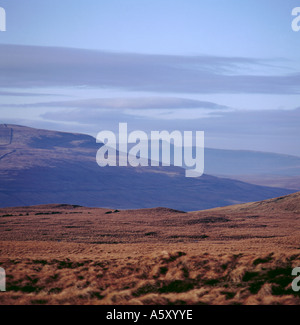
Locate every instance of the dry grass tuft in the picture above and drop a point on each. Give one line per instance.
(162, 277)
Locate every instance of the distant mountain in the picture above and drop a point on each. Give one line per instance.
(243, 162)
(42, 167)
(260, 168)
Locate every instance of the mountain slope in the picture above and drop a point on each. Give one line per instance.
(279, 205)
(41, 167)
(259, 168)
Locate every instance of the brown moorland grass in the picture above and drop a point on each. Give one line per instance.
(64, 254)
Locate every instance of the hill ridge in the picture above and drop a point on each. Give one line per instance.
(60, 167)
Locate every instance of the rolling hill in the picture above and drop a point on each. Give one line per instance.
(42, 167)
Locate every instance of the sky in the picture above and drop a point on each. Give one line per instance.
(230, 68)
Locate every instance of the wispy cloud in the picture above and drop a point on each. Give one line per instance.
(129, 103)
(29, 66)
(23, 94)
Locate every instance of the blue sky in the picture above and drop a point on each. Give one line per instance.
(230, 68)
